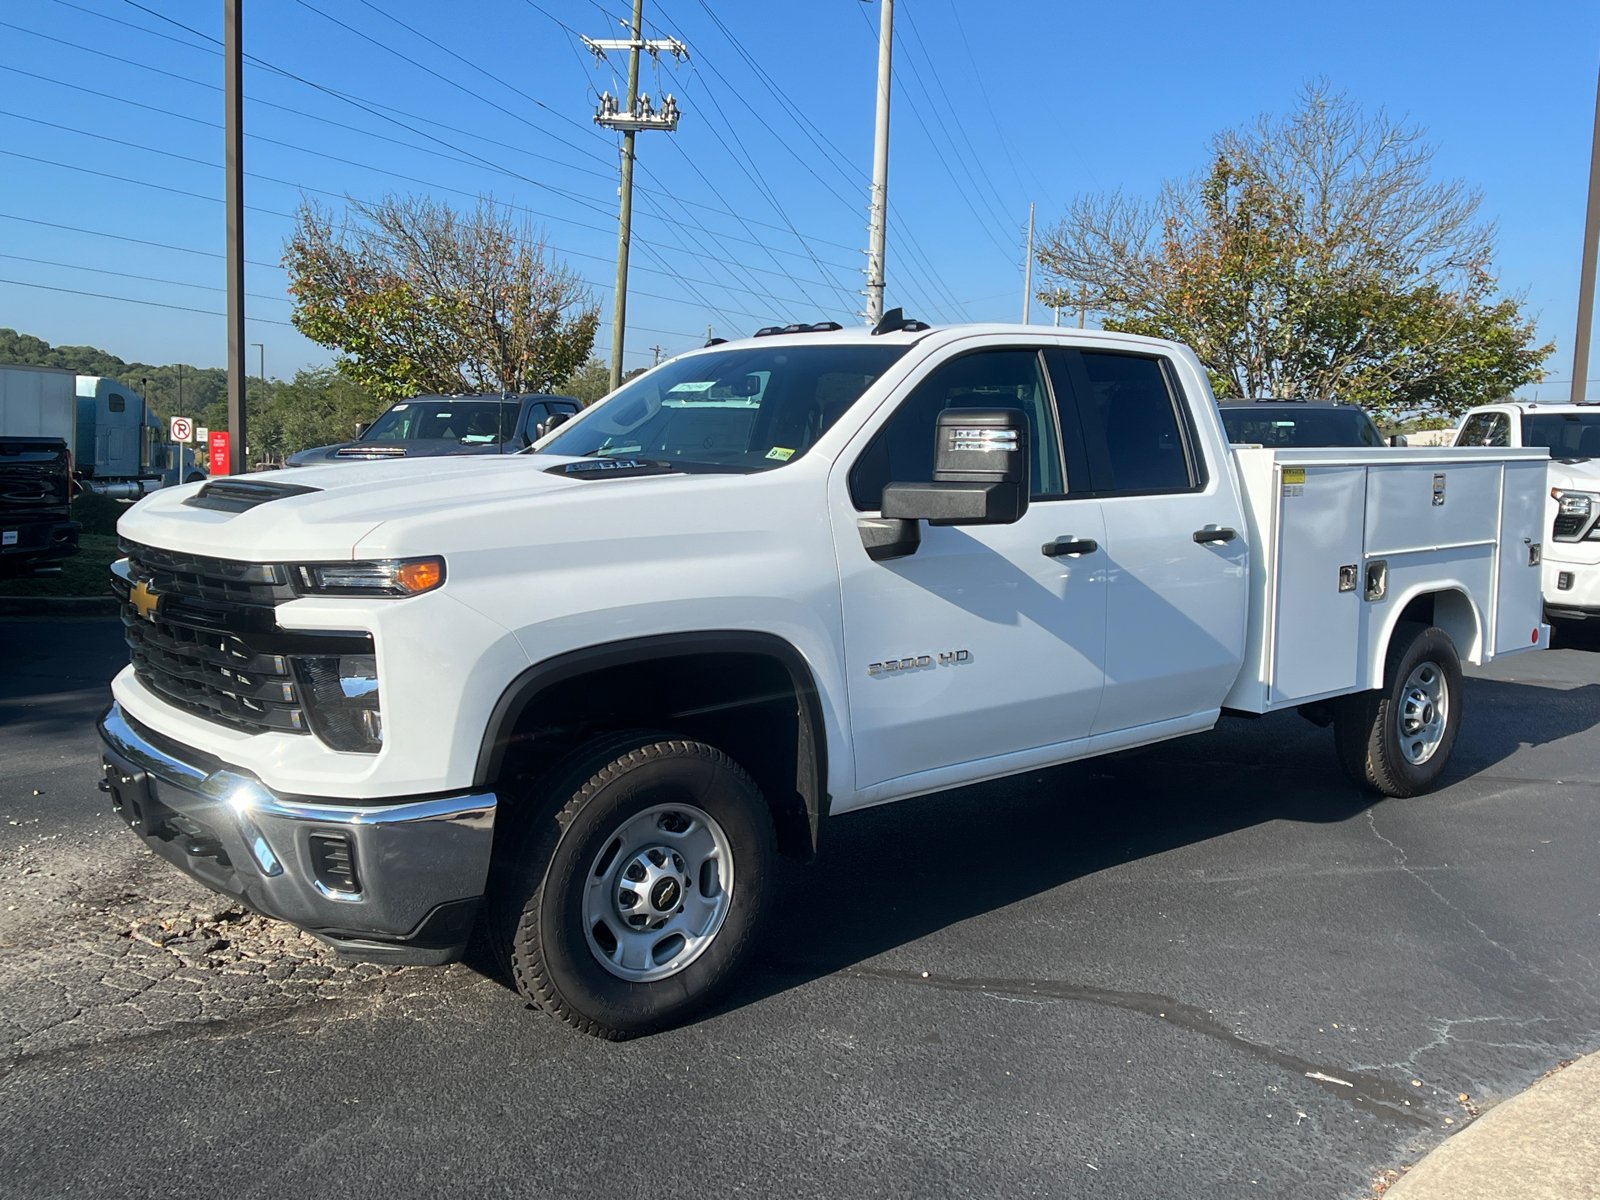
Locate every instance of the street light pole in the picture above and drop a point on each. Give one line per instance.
(263, 360)
(233, 73)
(1591, 241)
(878, 229)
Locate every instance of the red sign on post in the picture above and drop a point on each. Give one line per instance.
(219, 451)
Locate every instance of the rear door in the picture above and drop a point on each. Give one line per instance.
(979, 645)
(1176, 606)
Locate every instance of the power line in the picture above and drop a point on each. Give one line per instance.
(130, 300)
(139, 241)
(45, 262)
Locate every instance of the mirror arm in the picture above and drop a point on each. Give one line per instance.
(884, 538)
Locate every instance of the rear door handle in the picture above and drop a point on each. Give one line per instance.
(1212, 533)
(1069, 545)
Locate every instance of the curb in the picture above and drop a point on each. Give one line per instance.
(1543, 1144)
(59, 606)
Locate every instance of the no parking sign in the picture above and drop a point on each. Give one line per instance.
(182, 429)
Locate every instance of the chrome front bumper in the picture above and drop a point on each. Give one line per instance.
(416, 868)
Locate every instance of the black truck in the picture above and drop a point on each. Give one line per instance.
(36, 525)
(428, 426)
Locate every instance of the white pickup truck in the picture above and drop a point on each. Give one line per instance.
(593, 688)
(1571, 435)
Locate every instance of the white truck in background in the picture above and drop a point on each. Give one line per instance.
(591, 689)
(118, 446)
(1570, 433)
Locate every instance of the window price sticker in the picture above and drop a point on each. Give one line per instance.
(1294, 481)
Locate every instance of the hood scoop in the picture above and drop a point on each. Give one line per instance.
(237, 496)
(370, 452)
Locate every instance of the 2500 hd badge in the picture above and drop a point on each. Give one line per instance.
(947, 658)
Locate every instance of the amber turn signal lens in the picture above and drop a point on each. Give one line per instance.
(420, 574)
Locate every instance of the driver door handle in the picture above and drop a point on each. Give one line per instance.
(1069, 546)
(1212, 533)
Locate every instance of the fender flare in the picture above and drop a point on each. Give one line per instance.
(811, 750)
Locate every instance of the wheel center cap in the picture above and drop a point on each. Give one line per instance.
(665, 895)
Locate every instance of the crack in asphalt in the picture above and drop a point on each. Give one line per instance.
(1367, 1091)
(1402, 861)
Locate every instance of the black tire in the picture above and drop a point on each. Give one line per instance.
(1367, 726)
(537, 907)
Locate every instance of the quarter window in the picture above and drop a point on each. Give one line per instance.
(902, 451)
(117, 403)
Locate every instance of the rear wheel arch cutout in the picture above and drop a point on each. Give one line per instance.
(1449, 609)
(750, 695)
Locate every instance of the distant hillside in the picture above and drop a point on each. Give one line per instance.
(176, 389)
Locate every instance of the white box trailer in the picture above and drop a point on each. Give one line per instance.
(39, 402)
(1346, 540)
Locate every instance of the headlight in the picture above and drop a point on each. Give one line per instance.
(383, 577)
(1575, 514)
(1574, 504)
(341, 698)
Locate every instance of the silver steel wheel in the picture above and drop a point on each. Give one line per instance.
(658, 892)
(1424, 711)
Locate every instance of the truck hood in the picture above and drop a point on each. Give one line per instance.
(1579, 474)
(348, 502)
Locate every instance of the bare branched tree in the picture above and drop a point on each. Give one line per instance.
(419, 298)
(1316, 256)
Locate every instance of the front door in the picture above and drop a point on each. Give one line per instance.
(979, 645)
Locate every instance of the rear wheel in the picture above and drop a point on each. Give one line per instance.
(638, 886)
(1398, 740)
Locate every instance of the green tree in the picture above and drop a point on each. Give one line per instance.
(1315, 256)
(592, 381)
(418, 298)
(316, 408)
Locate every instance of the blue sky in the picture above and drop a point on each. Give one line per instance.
(754, 211)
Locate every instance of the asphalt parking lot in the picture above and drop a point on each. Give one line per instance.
(1209, 968)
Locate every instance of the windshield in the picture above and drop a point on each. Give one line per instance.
(470, 422)
(1569, 435)
(736, 410)
(1271, 425)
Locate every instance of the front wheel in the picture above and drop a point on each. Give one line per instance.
(1398, 740)
(638, 886)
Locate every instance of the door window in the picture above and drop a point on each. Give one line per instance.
(1485, 429)
(1133, 435)
(902, 451)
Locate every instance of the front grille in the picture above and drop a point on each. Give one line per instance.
(207, 640)
(197, 577)
(217, 675)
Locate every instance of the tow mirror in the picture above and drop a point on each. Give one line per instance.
(1399, 439)
(980, 471)
(361, 429)
(980, 477)
(554, 421)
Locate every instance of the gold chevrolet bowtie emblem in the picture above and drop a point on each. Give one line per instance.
(144, 600)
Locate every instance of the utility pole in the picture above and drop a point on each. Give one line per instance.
(878, 227)
(1591, 241)
(637, 115)
(233, 74)
(656, 350)
(1027, 274)
(262, 372)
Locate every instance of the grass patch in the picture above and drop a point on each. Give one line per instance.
(86, 573)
